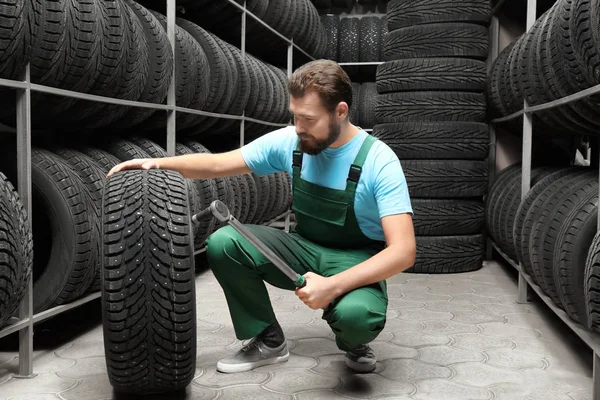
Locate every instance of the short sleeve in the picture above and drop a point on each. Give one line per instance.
(269, 153)
(390, 187)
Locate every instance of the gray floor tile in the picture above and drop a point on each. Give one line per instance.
(447, 337)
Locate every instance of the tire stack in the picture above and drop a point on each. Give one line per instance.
(552, 233)
(431, 110)
(557, 57)
(354, 39)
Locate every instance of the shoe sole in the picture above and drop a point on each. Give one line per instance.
(358, 367)
(229, 368)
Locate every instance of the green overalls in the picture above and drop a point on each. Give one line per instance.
(326, 240)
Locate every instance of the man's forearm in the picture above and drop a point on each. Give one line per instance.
(191, 166)
(206, 165)
(383, 265)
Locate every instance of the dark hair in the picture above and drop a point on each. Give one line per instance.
(327, 79)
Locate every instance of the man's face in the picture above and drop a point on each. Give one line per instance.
(315, 125)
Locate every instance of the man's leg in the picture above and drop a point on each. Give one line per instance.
(241, 271)
(356, 317)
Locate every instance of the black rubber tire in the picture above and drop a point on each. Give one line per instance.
(370, 39)
(437, 40)
(460, 74)
(218, 188)
(431, 106)
(123, 149)
(542, 241)
(591, 288)
(94, 179)
(15, 37)
(442, 217)
(492, 197)
(349, 39)
(507, 208)
(217, 63)
(263, 193)
(148, 294)
(404, 13)
(448, 254)
(368, 100)
(103, 158)
(354, 113)
(206, 193)
(534, 230)
(525, 205)
(16, 258)
(446, 178)
(252, 198)
(331, 23)
(535, 209)
(569, 255)
(149, 147)
(65, 231)
(436, 140)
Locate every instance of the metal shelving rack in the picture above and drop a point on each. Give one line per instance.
(592, 339)
(23, 324)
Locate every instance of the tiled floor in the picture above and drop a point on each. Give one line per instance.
(447, 337)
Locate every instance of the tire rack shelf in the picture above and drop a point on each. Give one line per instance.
(23, 324)
(592, 339)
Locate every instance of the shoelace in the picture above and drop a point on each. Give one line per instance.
(252, 344)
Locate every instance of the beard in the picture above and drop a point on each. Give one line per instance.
(313, 146)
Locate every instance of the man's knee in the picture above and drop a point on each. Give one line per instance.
(354, 314)
(223, 245)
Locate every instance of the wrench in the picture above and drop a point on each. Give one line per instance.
(220, 211)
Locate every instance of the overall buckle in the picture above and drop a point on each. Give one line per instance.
(297, 159)
(354, 174)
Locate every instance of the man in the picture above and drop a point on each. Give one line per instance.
(354, 223)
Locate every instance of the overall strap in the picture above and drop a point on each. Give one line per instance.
(356, 167)
(296, 164)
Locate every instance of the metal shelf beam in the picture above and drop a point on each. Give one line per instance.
(359, 64)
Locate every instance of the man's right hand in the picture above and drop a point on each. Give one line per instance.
(136, 163)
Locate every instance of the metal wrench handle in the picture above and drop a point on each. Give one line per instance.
(221, 212)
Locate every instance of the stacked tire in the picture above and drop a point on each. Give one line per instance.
(364, 99)
(557, 57)
(353, 39)
(431, 110)
(551, 233)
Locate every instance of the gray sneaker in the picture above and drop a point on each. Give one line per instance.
(254, 354)
(361, 359)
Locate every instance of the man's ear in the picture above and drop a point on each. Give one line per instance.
(342, 110)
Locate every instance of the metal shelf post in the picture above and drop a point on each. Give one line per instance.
(494, 51)
(243, 51)
(526, 155)
(171, 98)
(24, 188)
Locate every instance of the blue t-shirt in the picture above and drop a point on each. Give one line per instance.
(381, 190)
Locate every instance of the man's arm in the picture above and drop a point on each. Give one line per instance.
(193, 166)
(397, 257)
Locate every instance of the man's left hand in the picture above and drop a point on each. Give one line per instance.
(319, 291)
